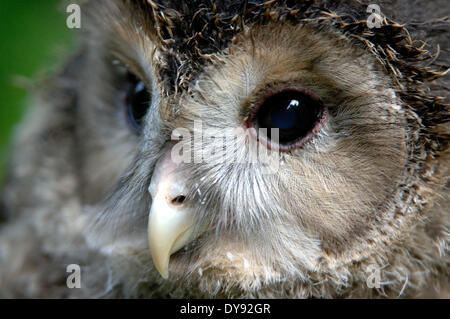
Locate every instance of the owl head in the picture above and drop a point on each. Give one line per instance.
(259, 148)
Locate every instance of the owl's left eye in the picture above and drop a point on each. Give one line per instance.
(137, 102)
(296, 114)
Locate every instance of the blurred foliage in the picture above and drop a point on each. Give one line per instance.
(33, 40)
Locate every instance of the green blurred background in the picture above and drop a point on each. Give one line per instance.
(33, 41)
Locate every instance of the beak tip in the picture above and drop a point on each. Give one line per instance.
(162, 266)
(164, 273)
(163, 270)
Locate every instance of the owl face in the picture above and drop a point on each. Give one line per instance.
(336, 147)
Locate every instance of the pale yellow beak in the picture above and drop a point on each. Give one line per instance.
(169, 229)
(172, 221)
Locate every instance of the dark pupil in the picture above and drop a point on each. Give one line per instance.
(295, 114)
(138, 101)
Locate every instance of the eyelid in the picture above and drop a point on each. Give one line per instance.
(132, 67)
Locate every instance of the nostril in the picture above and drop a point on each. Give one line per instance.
(178, 200)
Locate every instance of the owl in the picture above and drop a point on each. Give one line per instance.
(236, 149)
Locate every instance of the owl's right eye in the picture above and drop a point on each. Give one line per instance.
(137, 102)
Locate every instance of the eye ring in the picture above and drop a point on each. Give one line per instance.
(312, 105)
